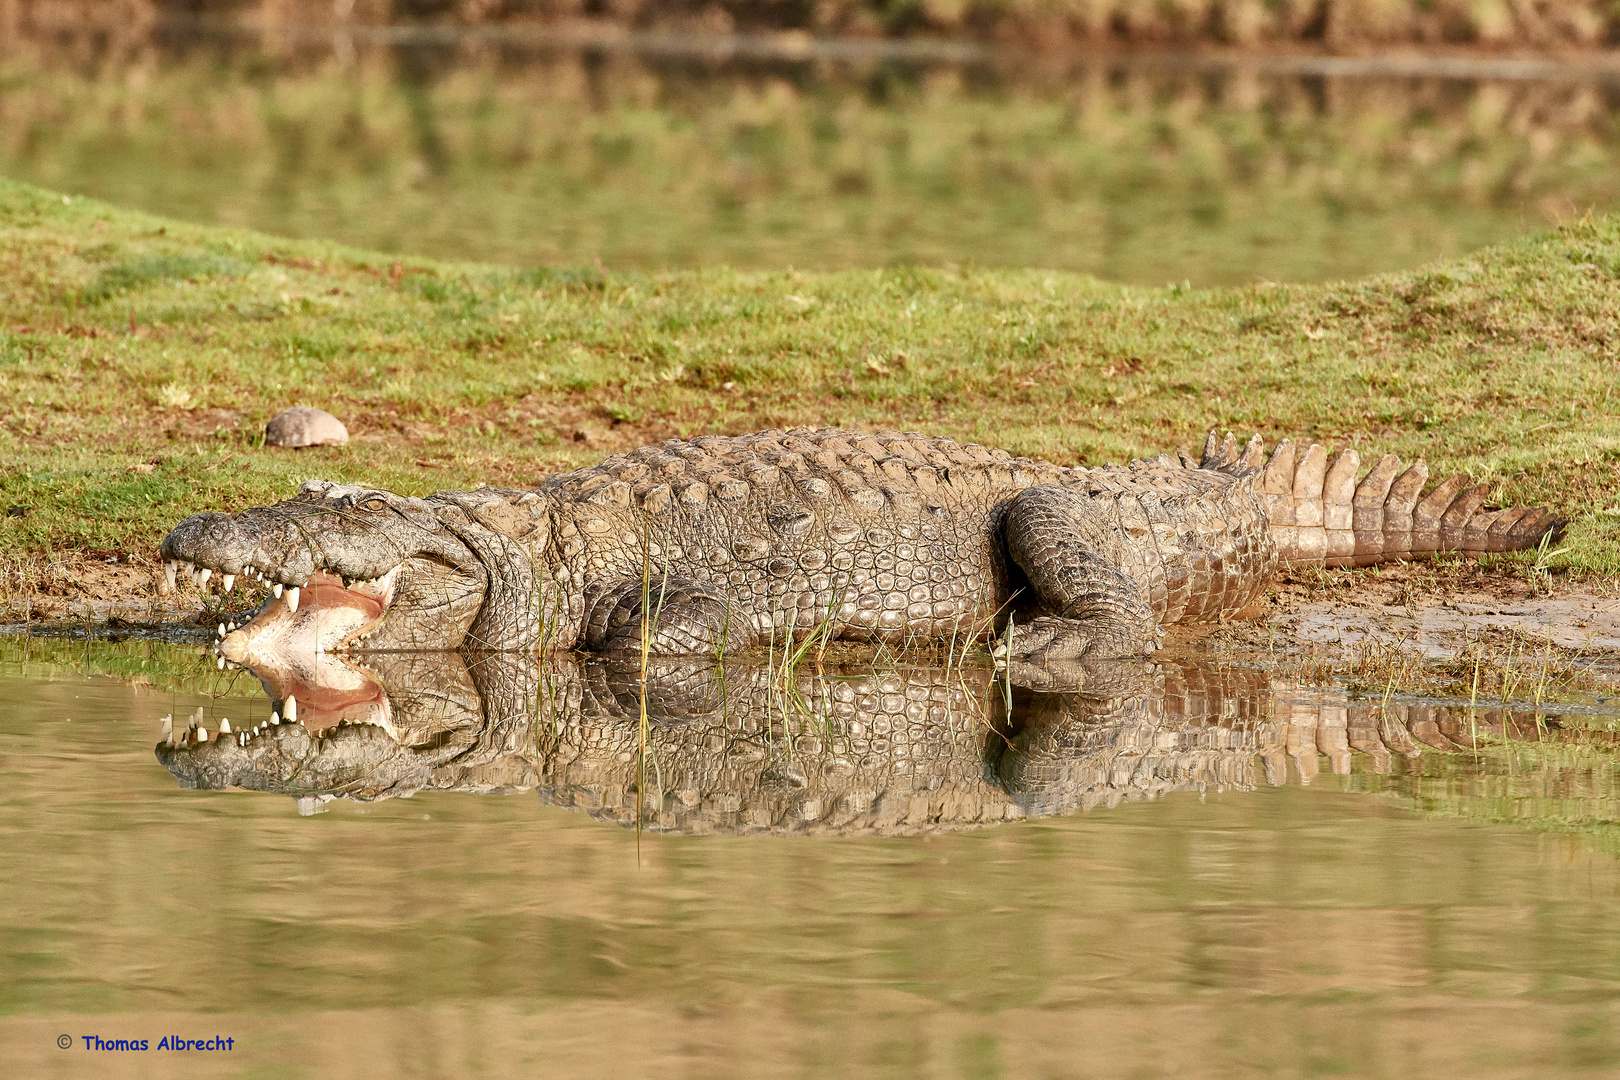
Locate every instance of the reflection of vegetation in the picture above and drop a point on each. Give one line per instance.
(1556, 781)
(147, 662)
(1121, 172)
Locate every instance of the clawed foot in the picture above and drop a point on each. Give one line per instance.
(1046, 639)
(1048, 653)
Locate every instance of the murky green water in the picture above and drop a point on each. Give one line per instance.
(1451, 915)
(475, 149)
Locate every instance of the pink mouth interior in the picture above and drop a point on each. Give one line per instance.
(322, 708)
(327, 591)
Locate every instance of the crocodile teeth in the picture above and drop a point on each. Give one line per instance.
(290, 709)
(292, 598)
(221, 630)
(221, 660)
(170, 569)
(202, 734)
(276, 590)
(224, 725)
(228, 582)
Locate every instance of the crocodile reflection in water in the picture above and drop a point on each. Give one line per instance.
(739, 748)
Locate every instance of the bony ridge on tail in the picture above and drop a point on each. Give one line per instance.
(721, 543)
(1321, 516)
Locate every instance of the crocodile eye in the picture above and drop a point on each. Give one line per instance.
(375, 505)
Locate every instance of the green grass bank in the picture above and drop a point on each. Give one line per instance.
(140, 358)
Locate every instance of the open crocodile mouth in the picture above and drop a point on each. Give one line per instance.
(326, 614)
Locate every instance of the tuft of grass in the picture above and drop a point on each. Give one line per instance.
(116, 420)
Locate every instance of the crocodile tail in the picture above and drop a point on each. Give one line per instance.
(1322, 516)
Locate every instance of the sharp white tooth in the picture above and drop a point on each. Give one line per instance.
(225, 725)
(206, 574)
(292, 598)
(166, 725)
(202, 734)
(221, 629)
(289, 708)
(230, 626)
(170, 568)
(221, 663)
(275, 717)
(241, 740)
(276, 590)
(228, 582)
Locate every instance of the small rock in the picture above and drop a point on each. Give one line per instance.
(303, 426)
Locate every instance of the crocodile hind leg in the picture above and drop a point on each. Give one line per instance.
(678, 615)
(1090, 606)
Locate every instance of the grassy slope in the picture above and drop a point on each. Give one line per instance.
(451, 375)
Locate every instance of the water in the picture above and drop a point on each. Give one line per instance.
(509, 151)
(1453, 914)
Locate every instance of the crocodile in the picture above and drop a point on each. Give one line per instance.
(716, 544)
(733, 746)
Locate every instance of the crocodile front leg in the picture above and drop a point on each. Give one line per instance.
(679, 616)
(1090, 606)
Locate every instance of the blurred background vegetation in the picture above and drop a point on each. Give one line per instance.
(1332, 23)
(1146, 168)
